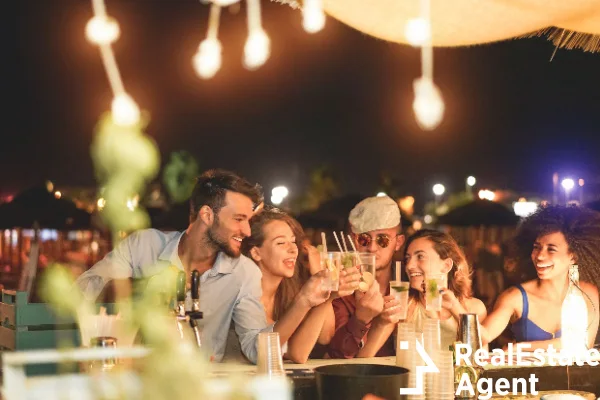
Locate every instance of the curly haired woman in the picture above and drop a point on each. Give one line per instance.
(550, 241)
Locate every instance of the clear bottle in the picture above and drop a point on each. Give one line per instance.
(473, 373)
(574, 316)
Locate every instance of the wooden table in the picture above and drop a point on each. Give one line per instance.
(584, 380)
(551, 378)
(585, 395)
(579, 378)
(220, 368)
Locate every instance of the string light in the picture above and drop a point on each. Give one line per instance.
(313, 17)
(258, 46)
(207, 60)
(428, 104)
(256, 49)
(417, 31)
(102, 30)
(224, 3)
(125, 111)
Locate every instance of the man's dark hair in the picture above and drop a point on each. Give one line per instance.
(212, 186)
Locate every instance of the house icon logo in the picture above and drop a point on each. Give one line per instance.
(420, 369)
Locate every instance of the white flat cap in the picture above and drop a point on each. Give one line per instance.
(374, 213)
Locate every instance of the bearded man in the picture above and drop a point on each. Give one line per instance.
(221, 206)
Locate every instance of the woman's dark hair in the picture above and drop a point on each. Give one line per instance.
(459, 277)
(212, 186)
(581, 229)
(289, 287)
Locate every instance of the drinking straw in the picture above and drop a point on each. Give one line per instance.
(338, 242)
(354, 248)
(344, 241)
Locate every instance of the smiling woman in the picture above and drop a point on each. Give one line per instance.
(430, 253)
(550, 241)
(273, 247)
(295, 300)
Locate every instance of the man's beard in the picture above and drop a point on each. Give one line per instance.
(221, 244)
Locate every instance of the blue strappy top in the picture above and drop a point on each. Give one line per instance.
(527, 331)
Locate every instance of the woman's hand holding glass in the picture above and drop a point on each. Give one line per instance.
(349, 280)
(391, 313)
(449, 300)
(312, 293)
(314, 259)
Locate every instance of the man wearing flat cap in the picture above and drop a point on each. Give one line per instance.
(376, 229)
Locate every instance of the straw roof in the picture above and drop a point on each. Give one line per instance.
(480, 213)
(569, 24)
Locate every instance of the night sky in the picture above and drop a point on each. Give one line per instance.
(338, 97)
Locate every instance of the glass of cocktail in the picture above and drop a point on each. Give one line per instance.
(331, 261)
(399, 290)
(434, 283)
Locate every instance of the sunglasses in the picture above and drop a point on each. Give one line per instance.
(382, 240)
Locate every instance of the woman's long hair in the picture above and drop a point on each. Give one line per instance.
(459, 277)
(289, 287)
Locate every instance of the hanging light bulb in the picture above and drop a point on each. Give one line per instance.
(313, 17)
(224, 3)
(124, 110)
(102, 29)
(428, 104)
(417, 31)
(256, 49)
(207, 60)
(258, 45)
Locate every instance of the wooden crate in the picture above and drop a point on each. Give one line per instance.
(33, 326)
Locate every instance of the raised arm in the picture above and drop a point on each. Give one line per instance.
(291, 320)
(311, 295)
(378, 335)
(352, 326)
(118, 264)
(349, 332)
(455, 307)
(383, 327)
(328, 327)
(495, 323)
(319, 325)
(303, 341)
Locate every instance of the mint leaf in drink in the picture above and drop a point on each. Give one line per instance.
(432, 288)
(348, 261)
(400, 289)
